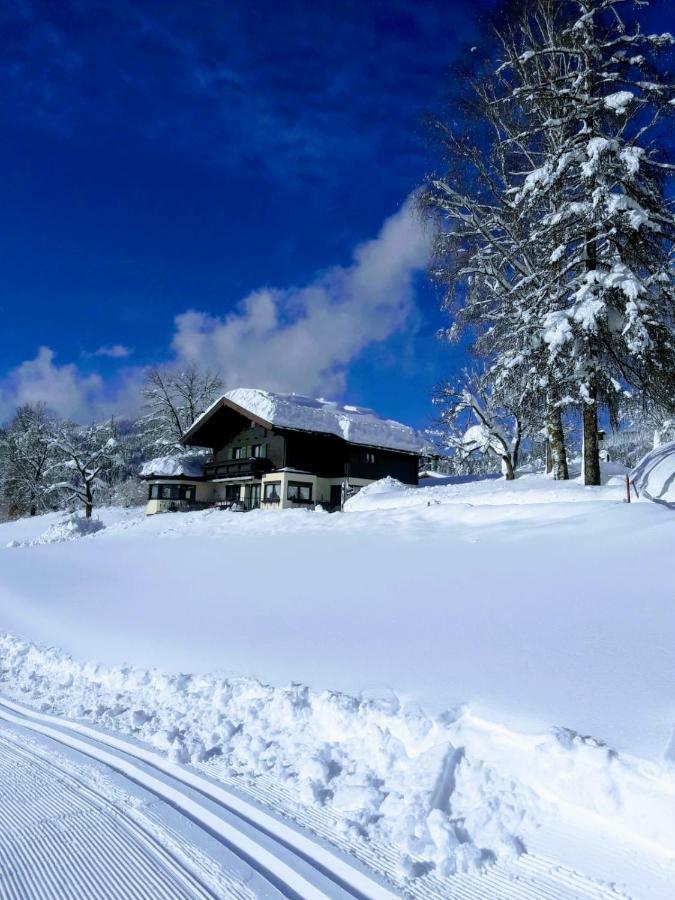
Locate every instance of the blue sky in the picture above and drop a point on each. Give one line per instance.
(162, 158)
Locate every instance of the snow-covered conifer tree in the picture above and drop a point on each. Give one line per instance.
(587, 83)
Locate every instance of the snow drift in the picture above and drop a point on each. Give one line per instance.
(67, 529)
(654, 475)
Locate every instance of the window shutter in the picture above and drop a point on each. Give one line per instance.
(230, 453)
(263, 450)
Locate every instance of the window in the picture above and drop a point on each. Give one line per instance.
(369, 457)
(259, 451)
(239, 453)
(232, 492)
(299, 492)
(186, 492)
(273, 491)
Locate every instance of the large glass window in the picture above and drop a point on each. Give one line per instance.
(272, 491)
(299, 492)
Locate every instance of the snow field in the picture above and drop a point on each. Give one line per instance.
(498, 624)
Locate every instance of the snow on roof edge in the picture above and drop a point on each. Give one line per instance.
(357, 425)
(173, 467)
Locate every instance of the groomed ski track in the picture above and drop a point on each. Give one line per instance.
(85, 814)
(290, 863)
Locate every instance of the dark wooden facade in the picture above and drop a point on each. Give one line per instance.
(242, 446)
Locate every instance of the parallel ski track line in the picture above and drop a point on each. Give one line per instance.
(98, 830)
(272, 866)
(170, 849)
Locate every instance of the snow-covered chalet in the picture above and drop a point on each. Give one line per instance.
(277, 451)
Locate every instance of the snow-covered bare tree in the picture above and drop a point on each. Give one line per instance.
(477, 419)
(25, 459)
(83, 455)
(174, 398)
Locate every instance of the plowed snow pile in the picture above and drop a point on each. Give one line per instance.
(66, 529)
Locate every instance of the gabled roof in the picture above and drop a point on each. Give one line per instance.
(354, 424)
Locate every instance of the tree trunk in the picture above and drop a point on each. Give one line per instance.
(591, 454)
(556, 445)
(33, 510)
(507, 469)
(549, 456)
(88, 503)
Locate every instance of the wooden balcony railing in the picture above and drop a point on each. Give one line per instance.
(237, 468)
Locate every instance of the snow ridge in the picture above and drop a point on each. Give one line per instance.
(387, 771)
(451, 793)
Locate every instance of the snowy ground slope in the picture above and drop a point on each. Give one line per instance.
(547, 608)
(535, 607)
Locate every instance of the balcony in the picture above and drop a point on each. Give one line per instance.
(237, 468)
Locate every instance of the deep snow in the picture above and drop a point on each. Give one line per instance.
(538, 603)
(536, 612)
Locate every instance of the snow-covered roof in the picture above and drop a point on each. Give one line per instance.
(173, 467)
(355, 424)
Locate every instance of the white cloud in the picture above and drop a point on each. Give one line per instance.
(64, 389)
(295, 339)
(113, 351)
(303, 339)
(67, 391)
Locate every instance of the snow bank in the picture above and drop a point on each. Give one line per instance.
(353, 423)
(378, 495)
(654, 475)
(64, 530)
(173, 467)
(450, 791)
(383, 769)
